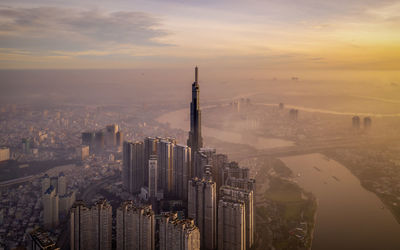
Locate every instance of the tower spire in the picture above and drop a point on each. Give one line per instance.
(196, 74)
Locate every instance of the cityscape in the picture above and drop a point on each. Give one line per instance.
(199, 125)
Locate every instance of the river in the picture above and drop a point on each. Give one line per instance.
(348, 216)
(180, 119)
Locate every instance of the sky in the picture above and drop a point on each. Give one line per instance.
(254, 34)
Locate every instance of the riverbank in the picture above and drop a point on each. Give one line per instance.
(285, 212)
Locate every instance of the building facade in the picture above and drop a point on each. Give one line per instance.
(178, 234)
(231, 225)
(195, 141)
(135, 227)
(202, 208)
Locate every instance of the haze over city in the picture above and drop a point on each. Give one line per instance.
(177, 124)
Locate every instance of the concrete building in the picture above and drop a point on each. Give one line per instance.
(150, 148)
(133, 166)
(243, 183)
(202, 208)
(120, 138)
(39, 239)
(355, 122)
(231, 225)
(135, 227)
(152, 177)
(65, 202)
(54, 182)
(82, 152)
(4, 154)
(45, 183)
(182, 171)
(102, 225)
(50, 208)
(367, 122)
(81, 234)
(232, 194)
(178, 234)
(200, 160)
(111, 135)
(99, 142)
(165, 166)
(195, 140)
(62, 184)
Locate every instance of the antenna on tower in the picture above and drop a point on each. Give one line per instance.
(196, 71)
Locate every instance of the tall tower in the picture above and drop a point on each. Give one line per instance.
(195, 140)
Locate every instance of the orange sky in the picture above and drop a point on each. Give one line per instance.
(304, 34)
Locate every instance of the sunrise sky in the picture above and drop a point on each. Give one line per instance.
(275, 34)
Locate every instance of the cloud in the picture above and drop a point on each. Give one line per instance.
(56, 28)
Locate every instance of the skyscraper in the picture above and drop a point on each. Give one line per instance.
(50, 208)
(111, 135)
(135, 227)
(133, 166)
(165, 166)
(45, 183)
(233, 194)
(81, 227)
(178, 234)
(195, 141)
(231, 225)
(102, 225)
(62, 184)
(150, 148)
(152, 182)
(182, 171)
(202, 208)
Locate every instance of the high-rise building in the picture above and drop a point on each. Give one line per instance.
(39, 239)
(26, 146)
(65, 202)
(243, 183)
(165, 166)
(200, 160)
(133, 166)
(195, 141)
(232, 194)
(135, 227)
(231, 225)
(4, 154)
(82, 152)
(367, 122)
(182, 170)
(232, 169)
(178, 234)
(111, 135)
(120, 138)
(202, 208)
(102, 225)
(45, 183)
(150, 148)
(99, 142)
(88, 138)
(50, 208)
(62, 184)
(81, 234)
(54, 182)
(152, 176)
(356, 122)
